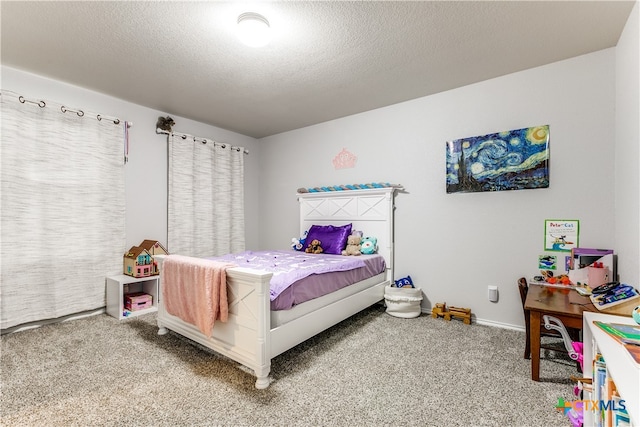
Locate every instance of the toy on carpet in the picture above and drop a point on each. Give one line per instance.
(353, 245)
(349, 187)
(438, 310)
(298, 243)
(369, 245)
(574, 348)
(314, 247)
(448, 312)
(405, 282)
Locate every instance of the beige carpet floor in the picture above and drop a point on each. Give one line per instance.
(370, 370)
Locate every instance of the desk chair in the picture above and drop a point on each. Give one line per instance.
(523, 286)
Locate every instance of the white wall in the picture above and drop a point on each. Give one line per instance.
(146, 171)
(627, 177)
(455, 245)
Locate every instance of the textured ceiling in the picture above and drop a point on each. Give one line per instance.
(326, 60)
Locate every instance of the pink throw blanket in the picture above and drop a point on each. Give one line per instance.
(195, 290)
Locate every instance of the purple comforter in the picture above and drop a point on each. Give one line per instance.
(318, 285)
(290, 266)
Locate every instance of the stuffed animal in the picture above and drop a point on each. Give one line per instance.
(298, 244)
(353, 245)
(405, 282)
(314, 247)
(165, 123)
(369, 245)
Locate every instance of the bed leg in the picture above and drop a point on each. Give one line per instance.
(262, 382)
(162, 330)
(262, 376)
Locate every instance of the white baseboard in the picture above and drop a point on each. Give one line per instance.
(499, 325)
(486, 322)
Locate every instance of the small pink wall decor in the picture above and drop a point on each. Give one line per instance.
(344, 160)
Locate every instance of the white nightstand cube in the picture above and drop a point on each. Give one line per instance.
(119, 286)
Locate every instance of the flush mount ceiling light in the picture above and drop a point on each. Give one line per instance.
(253, 29)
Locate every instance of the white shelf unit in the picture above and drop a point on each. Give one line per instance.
(621, 367)
(119, 286)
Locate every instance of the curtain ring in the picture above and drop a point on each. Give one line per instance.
(64, 109)
(40, 104)
(224, 146)
(115, 121)
(184, 136)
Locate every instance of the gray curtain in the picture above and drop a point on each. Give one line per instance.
(206, 197)
(63, 209)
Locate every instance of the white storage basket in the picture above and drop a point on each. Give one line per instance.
(403, 302)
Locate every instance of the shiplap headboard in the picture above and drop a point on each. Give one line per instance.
(370, 211)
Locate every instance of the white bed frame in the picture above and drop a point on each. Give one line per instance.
(247, 337)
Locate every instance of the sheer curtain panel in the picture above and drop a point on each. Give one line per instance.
(63, 209)
(206, 198)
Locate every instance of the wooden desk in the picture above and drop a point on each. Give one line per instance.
(565, 304)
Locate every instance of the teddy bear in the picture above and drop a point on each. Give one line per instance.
(314, 247)
(353, 245)
(369, 245)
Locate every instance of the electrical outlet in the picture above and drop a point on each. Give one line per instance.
(493, 293)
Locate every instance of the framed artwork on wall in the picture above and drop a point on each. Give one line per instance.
(547, 262)
(511, 160)
(561, 234)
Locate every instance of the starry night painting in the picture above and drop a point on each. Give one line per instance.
(512, 160)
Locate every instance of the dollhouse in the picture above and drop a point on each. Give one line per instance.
(139, 262)
(153, 247)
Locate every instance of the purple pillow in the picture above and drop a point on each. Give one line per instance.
(333, 239)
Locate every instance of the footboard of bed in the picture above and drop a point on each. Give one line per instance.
(245, 337)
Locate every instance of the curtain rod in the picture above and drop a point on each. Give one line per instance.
(64, 109)
(203, 140)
